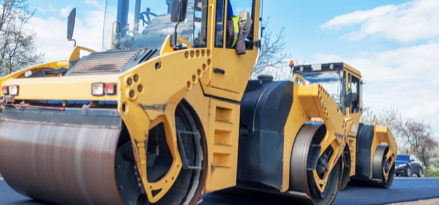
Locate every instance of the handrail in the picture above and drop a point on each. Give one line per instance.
(300, 77)
(189, 45)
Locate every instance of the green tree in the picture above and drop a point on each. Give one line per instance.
(17, 42)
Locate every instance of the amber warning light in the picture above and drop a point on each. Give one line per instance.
(291, 64)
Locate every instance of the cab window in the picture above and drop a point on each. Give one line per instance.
(200, 23)
(219, 23)
(355, 89)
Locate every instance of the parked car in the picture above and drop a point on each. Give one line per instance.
(408, 165)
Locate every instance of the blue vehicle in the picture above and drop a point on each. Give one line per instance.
(408, 165)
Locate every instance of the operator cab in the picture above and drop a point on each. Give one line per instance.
(135, 24)
(339, 79)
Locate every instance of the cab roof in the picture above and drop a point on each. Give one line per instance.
(325, 67)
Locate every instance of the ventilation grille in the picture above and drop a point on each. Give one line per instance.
(105, 62)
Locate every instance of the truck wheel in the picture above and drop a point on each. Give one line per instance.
(301, 179)
(346, 168)
(381, 168)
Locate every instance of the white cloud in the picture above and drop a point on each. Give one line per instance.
(64, 12)
(49, 8)
(405, 78)
(358, 17)
(95, 3)
(51, 37)
(407, 22)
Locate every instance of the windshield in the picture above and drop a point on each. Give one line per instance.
(331, 81)
(131, 24)
(403, 157)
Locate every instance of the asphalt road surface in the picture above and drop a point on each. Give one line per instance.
(403, 189)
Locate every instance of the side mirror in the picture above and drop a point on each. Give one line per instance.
(348, 99)
(178, 10)
(71, 25)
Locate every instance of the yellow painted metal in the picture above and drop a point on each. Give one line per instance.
(61, 88)
(76, 53)
(383, 136)
(222, 142)
(352, 143)
(167, 48)
(313, 102)
(238, 68)
(154, 106)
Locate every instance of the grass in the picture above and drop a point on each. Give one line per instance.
(433, 173)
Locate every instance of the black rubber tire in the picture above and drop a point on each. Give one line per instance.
(299, 175)
(378, 171)
(346, 169)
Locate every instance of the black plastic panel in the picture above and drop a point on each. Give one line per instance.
(364, 144)
(265, 107)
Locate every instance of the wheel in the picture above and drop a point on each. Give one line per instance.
(381, 168)
(190, 182)
(305, 148)
(346, 168)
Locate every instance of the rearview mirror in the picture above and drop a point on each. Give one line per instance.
(71, 25)
(178, 10)
(348, 99)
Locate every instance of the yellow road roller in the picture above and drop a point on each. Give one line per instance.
(166, 113)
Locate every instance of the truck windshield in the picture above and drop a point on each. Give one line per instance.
(329, 80)
(403, 157)
(131, 24)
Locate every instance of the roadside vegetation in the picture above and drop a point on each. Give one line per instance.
(17, 39)
(413, 136)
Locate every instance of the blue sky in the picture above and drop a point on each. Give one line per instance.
(394, 44)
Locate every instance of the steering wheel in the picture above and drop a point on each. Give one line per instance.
(146, 13)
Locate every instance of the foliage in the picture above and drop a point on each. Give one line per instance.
(17, 42)
(418, 136)
(412, 136)
(389, 117)
(271, 60)
(433, 172)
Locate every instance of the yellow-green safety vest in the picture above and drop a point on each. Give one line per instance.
(236, 27)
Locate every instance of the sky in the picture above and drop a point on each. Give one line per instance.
(395, 44)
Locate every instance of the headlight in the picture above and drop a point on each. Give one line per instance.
(13, 90)
(97, 89)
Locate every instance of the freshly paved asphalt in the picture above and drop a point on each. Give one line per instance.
(403, 189)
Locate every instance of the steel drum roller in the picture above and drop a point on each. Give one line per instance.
(60, 164)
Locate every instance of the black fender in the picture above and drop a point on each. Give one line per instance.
(265, 108)
(364, 145)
